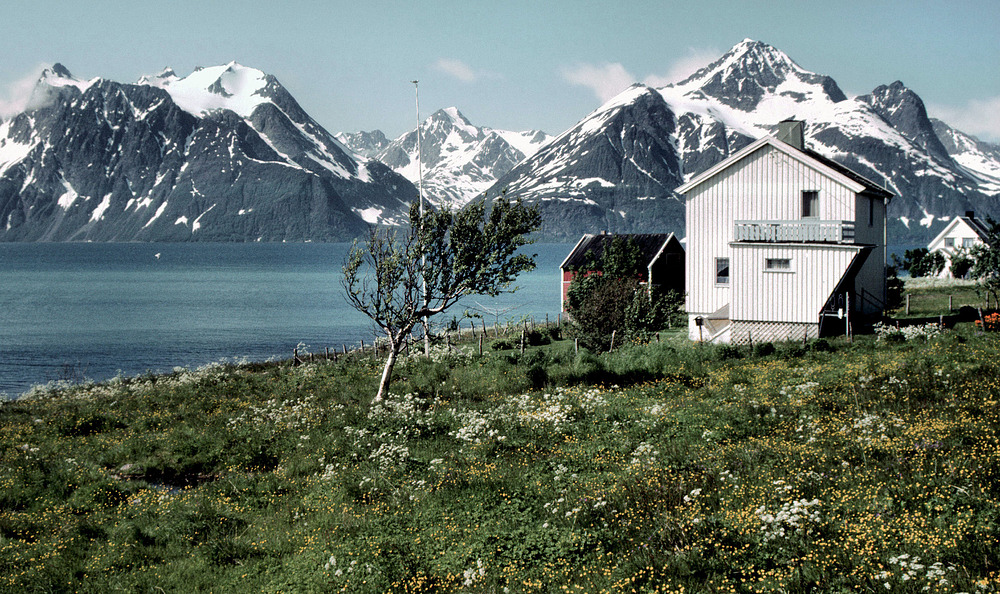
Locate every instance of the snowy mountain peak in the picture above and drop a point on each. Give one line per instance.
(229, 86)
(167, 74)
(58, 75)
(753, 73)
(448, 120)
(57, 70)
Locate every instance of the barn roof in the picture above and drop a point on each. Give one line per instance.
(650, 244)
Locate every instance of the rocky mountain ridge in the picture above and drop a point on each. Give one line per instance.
(224, 154)
(935, 171)
(459, 160)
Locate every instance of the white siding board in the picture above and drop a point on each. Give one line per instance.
(767, 185)
(796, 296)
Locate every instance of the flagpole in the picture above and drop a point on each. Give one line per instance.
(420, 191)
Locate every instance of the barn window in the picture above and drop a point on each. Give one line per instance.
(810, 203)
(778, 264)
(722, 271)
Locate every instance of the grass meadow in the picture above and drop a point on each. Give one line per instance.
(871, 466)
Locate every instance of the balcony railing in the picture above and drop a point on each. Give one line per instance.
(803, 231)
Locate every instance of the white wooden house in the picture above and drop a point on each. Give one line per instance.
(782, 243)
(961, 234)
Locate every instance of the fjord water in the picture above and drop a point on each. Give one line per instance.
(89, 310)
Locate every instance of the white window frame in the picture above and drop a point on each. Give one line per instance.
(773, 265)
(718, 269)
(811, 205)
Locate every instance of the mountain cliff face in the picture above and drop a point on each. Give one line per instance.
(225, 154)
(614, 170)
(460, 160)
(935, 171)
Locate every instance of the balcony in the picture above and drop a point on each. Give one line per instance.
(801, 231)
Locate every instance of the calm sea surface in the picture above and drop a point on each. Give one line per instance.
(74, 311)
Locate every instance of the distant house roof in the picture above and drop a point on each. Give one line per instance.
(650, 244)
(978, 226)
(857, 182)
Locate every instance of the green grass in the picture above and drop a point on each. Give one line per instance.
(830, 467)
(930, 297)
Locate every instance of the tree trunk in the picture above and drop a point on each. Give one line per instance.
(383, 386)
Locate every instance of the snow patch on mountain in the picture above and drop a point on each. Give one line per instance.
(230, 86)
(459, 159)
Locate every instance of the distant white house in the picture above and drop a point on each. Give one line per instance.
(961, 234)
(781, 244)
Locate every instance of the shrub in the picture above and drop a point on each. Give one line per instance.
(763, 349)
(728, 352)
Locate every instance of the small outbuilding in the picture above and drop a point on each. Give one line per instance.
(662, 257)
(961, 234)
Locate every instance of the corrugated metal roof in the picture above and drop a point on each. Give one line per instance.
(649, 244)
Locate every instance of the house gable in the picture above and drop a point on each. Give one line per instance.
(822, 166)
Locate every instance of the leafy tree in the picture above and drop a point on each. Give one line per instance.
(920, 262)
(401, 276)
(986, 269)
(961, 263)
(607, 297)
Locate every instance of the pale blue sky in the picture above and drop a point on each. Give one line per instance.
(513, 65)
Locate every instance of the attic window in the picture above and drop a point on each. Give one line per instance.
(810, 204)
(949, 242)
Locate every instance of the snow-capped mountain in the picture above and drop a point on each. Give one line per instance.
(884, 135)
(614, 170)
(460, 160)
(223, 154)
(982, 159)
(366, 144)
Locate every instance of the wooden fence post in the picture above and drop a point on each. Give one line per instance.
(612, 341)
(480, 345)
(576, 345)
(907, 304)
(522, 342)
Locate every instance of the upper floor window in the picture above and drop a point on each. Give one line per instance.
(722, 271)
(949, 242)
(810, 204)
(968, 242)
(871, 212)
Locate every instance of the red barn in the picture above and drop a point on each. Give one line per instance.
(663, 258)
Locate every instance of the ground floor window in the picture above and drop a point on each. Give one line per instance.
(778, 264)
(722, 271)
